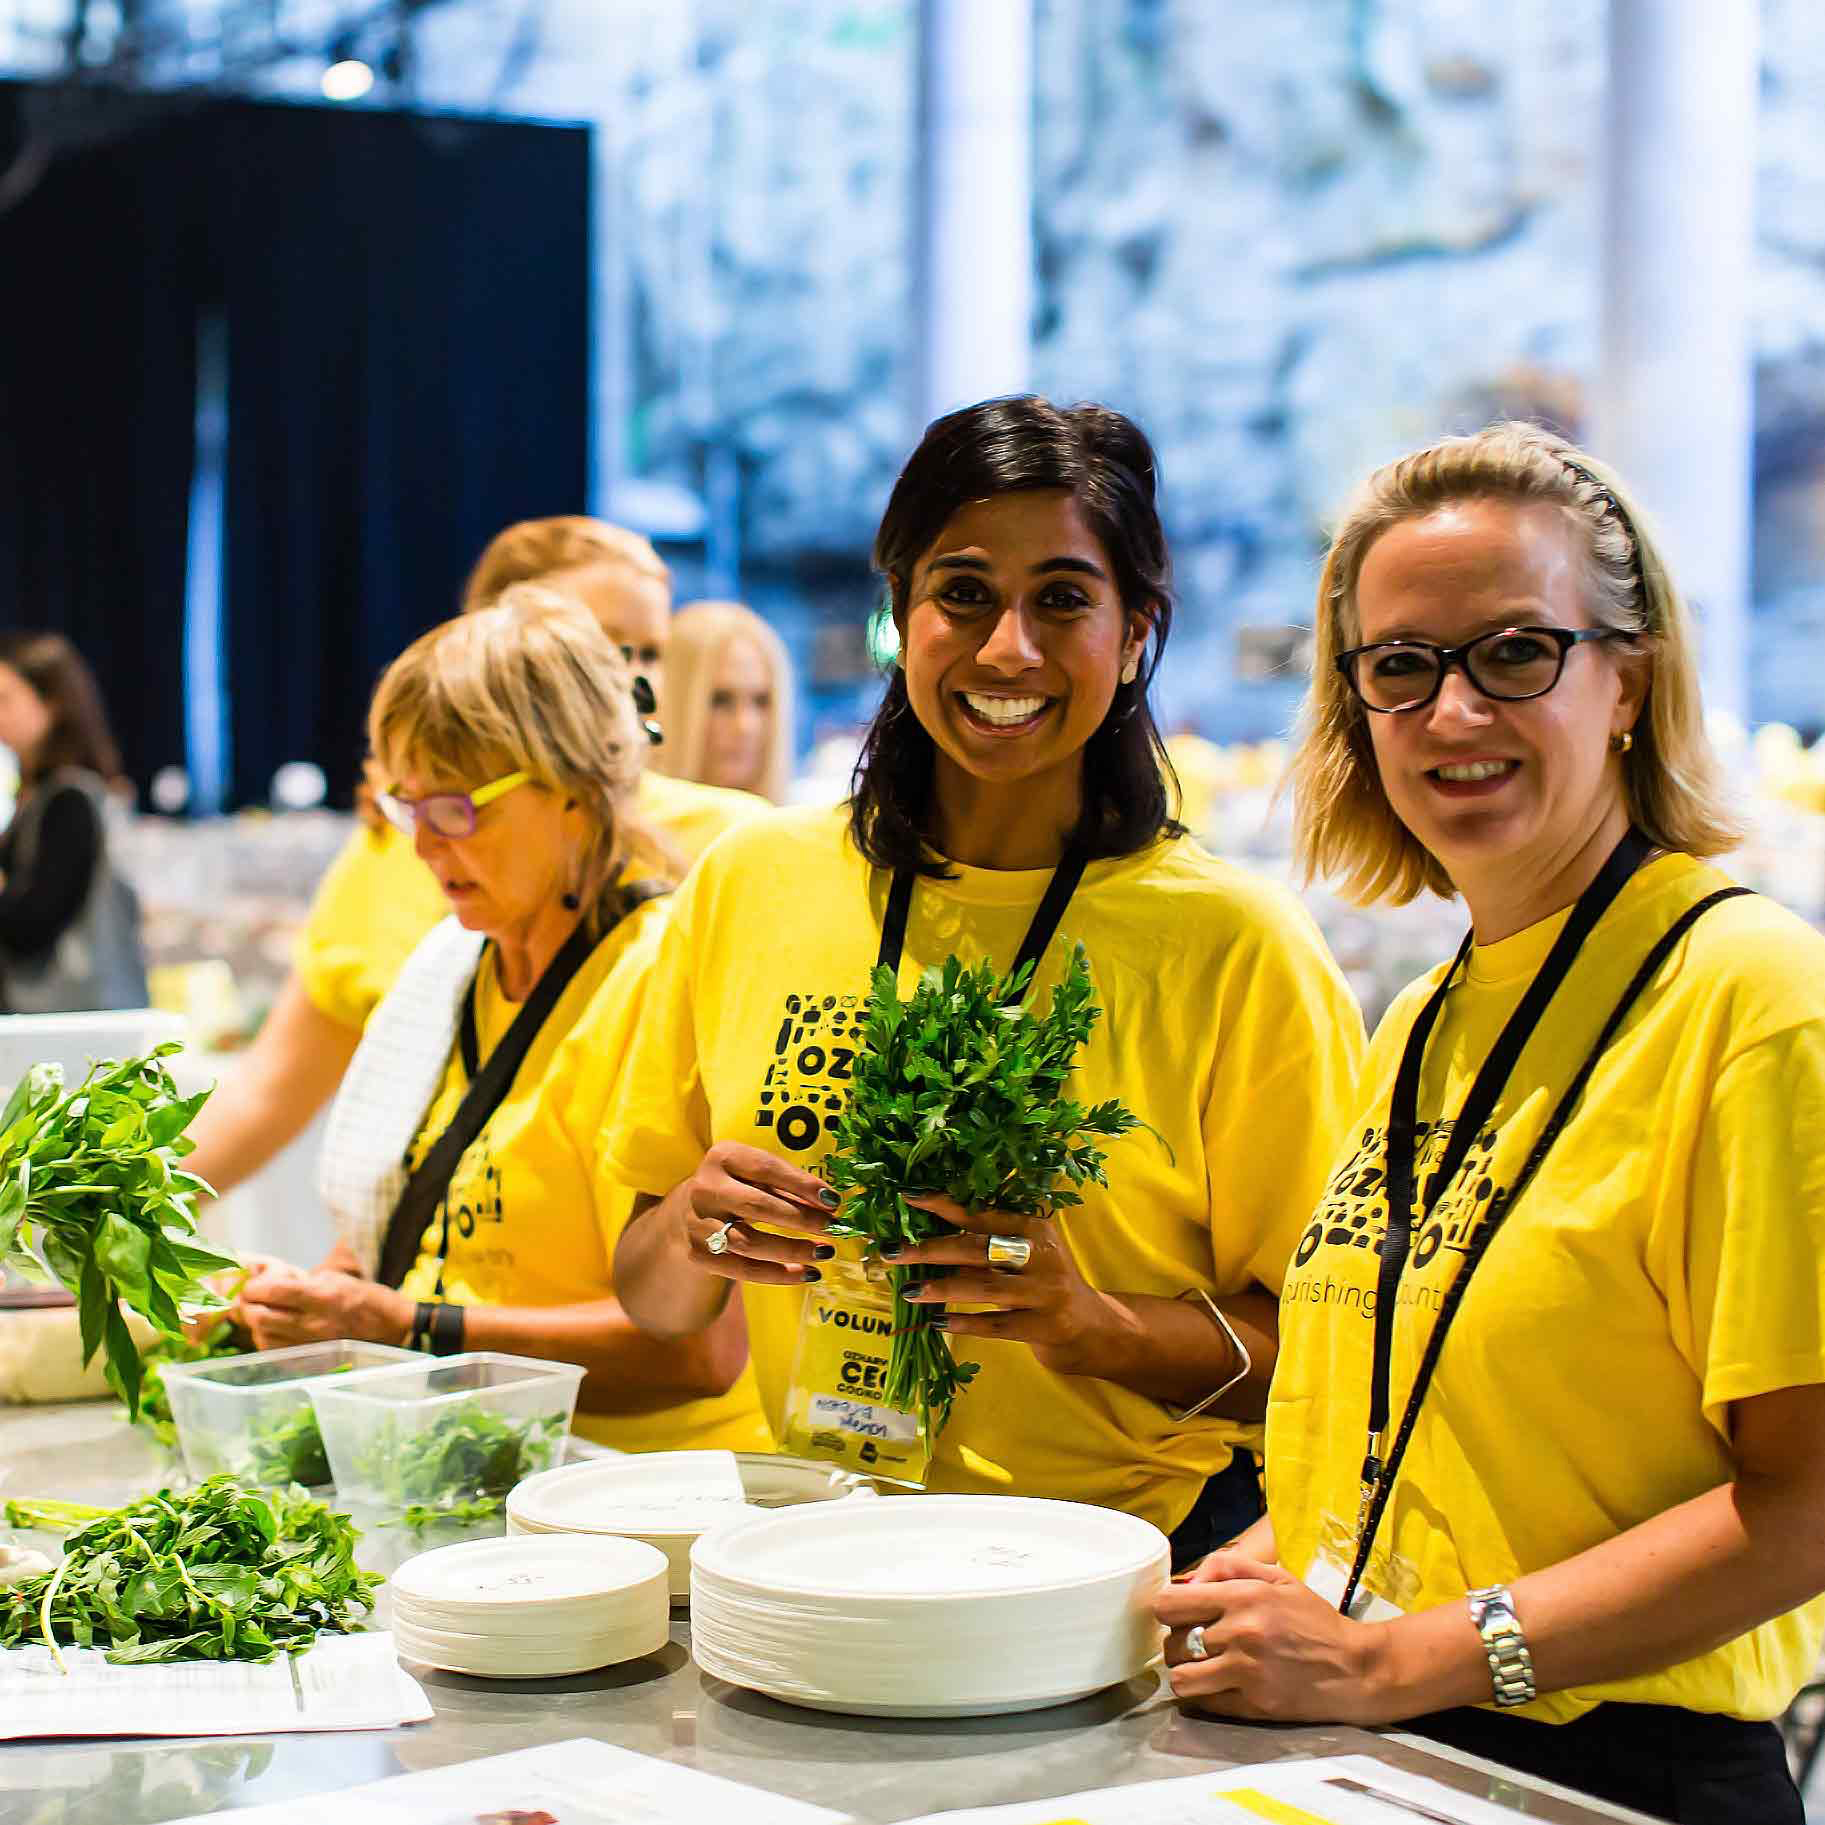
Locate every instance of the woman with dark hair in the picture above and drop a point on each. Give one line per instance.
(69, 926)
(1012, 783)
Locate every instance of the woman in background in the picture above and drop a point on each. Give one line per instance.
(728, 701)
(378, 900)
(69, 926)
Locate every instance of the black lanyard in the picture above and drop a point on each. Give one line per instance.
(1377, 1475)
(1063, 885)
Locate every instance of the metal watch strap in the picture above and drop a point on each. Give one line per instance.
(1511, 1666)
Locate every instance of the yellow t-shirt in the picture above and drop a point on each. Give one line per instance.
(371, 909)
(1225, 1025)
(531, 1219)
(378, 899)
(1663, 1263)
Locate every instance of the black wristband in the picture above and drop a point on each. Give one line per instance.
(446, 1329)
(419, 1337)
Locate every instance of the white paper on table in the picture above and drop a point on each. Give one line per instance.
(1323, 1790)
(580, 1782)
(345, 1682)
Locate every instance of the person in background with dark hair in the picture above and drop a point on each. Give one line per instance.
(69, 926)
(1126, 1362)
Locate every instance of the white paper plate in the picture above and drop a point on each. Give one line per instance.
(520, 1662)
(670, 1499)
(933, 1606)
(452, 1648)
(522, 1586)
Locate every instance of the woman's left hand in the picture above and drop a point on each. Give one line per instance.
(280, 1305)
(1273, 1649)
(1048, 1303)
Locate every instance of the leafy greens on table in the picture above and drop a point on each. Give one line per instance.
(960, 1090)
(463, 1465)
(222, 1572)
(91, 1191)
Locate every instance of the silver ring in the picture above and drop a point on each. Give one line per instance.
(717, 1242)
(1009, 1254)
(1194, 1642)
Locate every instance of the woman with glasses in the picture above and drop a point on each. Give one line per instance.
(377, 901)
(1546, 1444)
(460, 1162)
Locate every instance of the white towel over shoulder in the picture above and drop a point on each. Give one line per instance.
(389, 1085)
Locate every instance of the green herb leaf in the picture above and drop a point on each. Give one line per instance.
(88, 1192)
(219, 1572)
(960, 1089)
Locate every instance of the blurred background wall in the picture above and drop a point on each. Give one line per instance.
(1292, 239)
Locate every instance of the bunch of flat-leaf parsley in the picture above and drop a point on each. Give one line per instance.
(959, 1089)
(91, 1190)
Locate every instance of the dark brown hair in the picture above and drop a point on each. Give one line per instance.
(79, 734)
(1010, 446)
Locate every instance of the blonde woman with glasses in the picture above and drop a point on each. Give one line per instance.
(1546, 1442)
(460, 1163)
(377, 901)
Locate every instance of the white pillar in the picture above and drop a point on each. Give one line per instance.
(974, 202)
(1673, 407)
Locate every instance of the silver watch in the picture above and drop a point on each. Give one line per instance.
(1511, 1667)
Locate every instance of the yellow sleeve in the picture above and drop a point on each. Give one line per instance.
(371, 909)
(658, 1128)
(1288, 1061)
(588, 1070)
(1748, 1309)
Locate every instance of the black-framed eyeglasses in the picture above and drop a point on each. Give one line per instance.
(1510, 664)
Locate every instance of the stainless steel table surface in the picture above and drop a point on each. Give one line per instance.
(875, 1769)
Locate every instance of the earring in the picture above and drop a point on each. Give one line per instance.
(1620, 744)
(1131, 671)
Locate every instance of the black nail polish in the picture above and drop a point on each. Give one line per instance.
(829, 1199)
(825, 1251)
(811, 1273)
(909, 1287)
(939, 1321)
(894, 1252)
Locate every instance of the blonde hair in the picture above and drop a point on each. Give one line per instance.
(701, 633)
(529, 684)
(532, 549)
(1344, 825)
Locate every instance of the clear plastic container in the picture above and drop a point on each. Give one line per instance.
(445, 1436)
(251, 1415)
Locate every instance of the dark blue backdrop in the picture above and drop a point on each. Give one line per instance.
(405, 301)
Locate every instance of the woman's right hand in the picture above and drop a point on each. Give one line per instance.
(742, 1194)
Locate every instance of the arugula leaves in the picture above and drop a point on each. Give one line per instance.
(462, 1465)
(960, 1090)
(223, 1572)
(289, 1450)
(90, 1190)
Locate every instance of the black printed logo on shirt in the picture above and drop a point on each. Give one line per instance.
(475, 1195)
(1353, 1213)
(807, 1080)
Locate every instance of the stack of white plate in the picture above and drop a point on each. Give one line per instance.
(670, 1499)
(531, 1609)
(935, 1606)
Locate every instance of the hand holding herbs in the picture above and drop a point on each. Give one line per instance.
(223, 1572)
(90, 1190)
(959, 1090)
